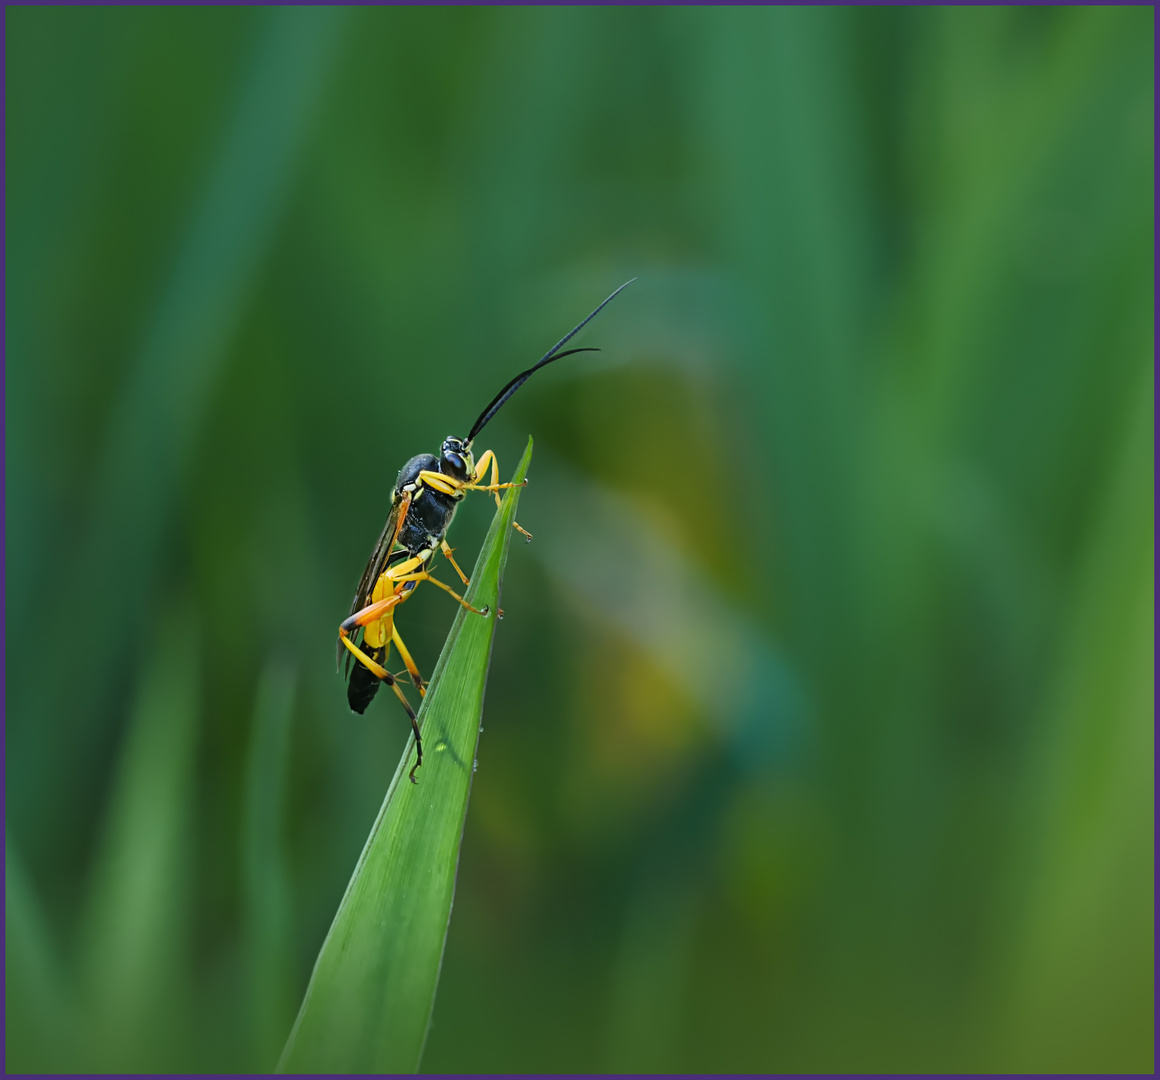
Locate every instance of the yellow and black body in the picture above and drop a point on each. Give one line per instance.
(424, 499)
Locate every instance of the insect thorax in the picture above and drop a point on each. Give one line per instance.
(431, 511)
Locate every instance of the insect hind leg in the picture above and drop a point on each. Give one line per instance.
(363, 683)
(412, 667)
(364, 680)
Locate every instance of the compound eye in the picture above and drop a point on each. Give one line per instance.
(454, 464)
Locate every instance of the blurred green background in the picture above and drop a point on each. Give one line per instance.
(819, 731)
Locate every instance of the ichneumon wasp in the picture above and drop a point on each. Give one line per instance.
(423, 503)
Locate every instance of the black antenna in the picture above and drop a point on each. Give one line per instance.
(552, 354)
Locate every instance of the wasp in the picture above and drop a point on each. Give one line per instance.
(426, 494)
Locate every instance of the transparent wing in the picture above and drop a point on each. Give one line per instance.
(375, 566)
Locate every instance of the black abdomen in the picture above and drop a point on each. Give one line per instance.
(363, 683)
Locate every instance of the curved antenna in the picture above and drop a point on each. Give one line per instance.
(553, 353)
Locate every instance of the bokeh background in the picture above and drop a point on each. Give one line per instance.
(819, 733)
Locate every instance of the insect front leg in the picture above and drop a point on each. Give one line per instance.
(448, 485)
(495, 486)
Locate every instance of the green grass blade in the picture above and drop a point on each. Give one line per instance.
(134, 948)
(369, 1001)
(265, 876)
(39, 1015)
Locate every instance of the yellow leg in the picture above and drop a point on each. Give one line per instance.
(449, 486)
(399, 570)
(381, 612)
(382, 673)
(423, 575)
(377, 633)
(446, 484)
(447, 554)
(377, 618)
(374, 668)
(481, 470)
(412, 667)
(495, 486)
(396, 591)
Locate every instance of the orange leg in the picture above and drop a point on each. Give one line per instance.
(371, 613)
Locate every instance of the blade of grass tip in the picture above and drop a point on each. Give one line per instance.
(369, 1002)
